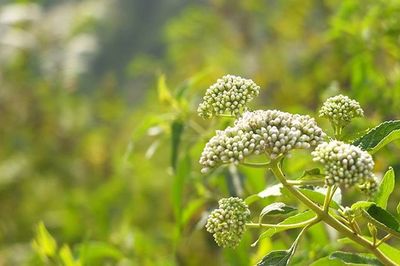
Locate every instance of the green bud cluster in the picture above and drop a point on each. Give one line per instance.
(345, 164)
(370, 186)
(228, 222)
(272, 132)
(340, 110)
(229, 94)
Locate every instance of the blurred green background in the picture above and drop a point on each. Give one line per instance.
(99, 137)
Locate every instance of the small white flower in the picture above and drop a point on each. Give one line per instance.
(272, 132)
(340, 110)
(229, 94)
(345, 164)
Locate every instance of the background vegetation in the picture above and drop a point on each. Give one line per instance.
(99, 136)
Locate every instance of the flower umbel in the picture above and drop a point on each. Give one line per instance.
(272, 132)
(340, 110)
(228, 222)
(345, 164)
(229, 94)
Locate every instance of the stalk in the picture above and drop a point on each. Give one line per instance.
(331, 221)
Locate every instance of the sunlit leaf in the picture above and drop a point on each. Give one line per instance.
(44, 243)
(327, 261)
(67, 258)
(298, 218)
(318, 197)
(272, 191)
(354, 258)
(93, 252)
(385, 189)
(391, 252)
(379, 136)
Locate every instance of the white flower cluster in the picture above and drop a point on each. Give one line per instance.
(229, 94)
(340, 110)
(228, 222)
(272, 132)
(345, 164)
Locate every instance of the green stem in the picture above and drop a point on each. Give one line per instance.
(286, 226)
(328, 219)
(385, 238)
(256, 165)
(311, 182)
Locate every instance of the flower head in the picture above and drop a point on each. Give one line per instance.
(340, 110)
(229, 94)
(345, 164)
(228, 222)
(272, 132)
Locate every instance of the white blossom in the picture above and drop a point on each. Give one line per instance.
(230, 94)
(228, 222)
(272, 132)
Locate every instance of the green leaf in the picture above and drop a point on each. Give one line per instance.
(361, 205)
(327, 261)
(277, 208)
(298, 218)
(355, 258)
(386, 249)
(311, 173)
(67, 258)
(318, 197)
(164, 94)
(176, 134)
(279, 257)
(379, 136)
(44, 243)
(382, 219)
(385, 188)
(272, 191)
(93, 252)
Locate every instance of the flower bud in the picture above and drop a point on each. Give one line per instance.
(340, 110)
(345, 164)
(228, 222)
(230, 94)
(272, 132)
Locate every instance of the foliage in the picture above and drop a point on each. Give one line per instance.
(100, 137)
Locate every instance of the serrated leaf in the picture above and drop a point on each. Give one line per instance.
(390, 252)
(311, 173)
(379, 136)
(44, 243)
(363, 259)
(272, 191)
(385, 188)
(382, 219)
(277, 208)
(279, 257)
(298, 218)
(318, 197)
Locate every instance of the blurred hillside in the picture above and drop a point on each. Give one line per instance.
(99, 133)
